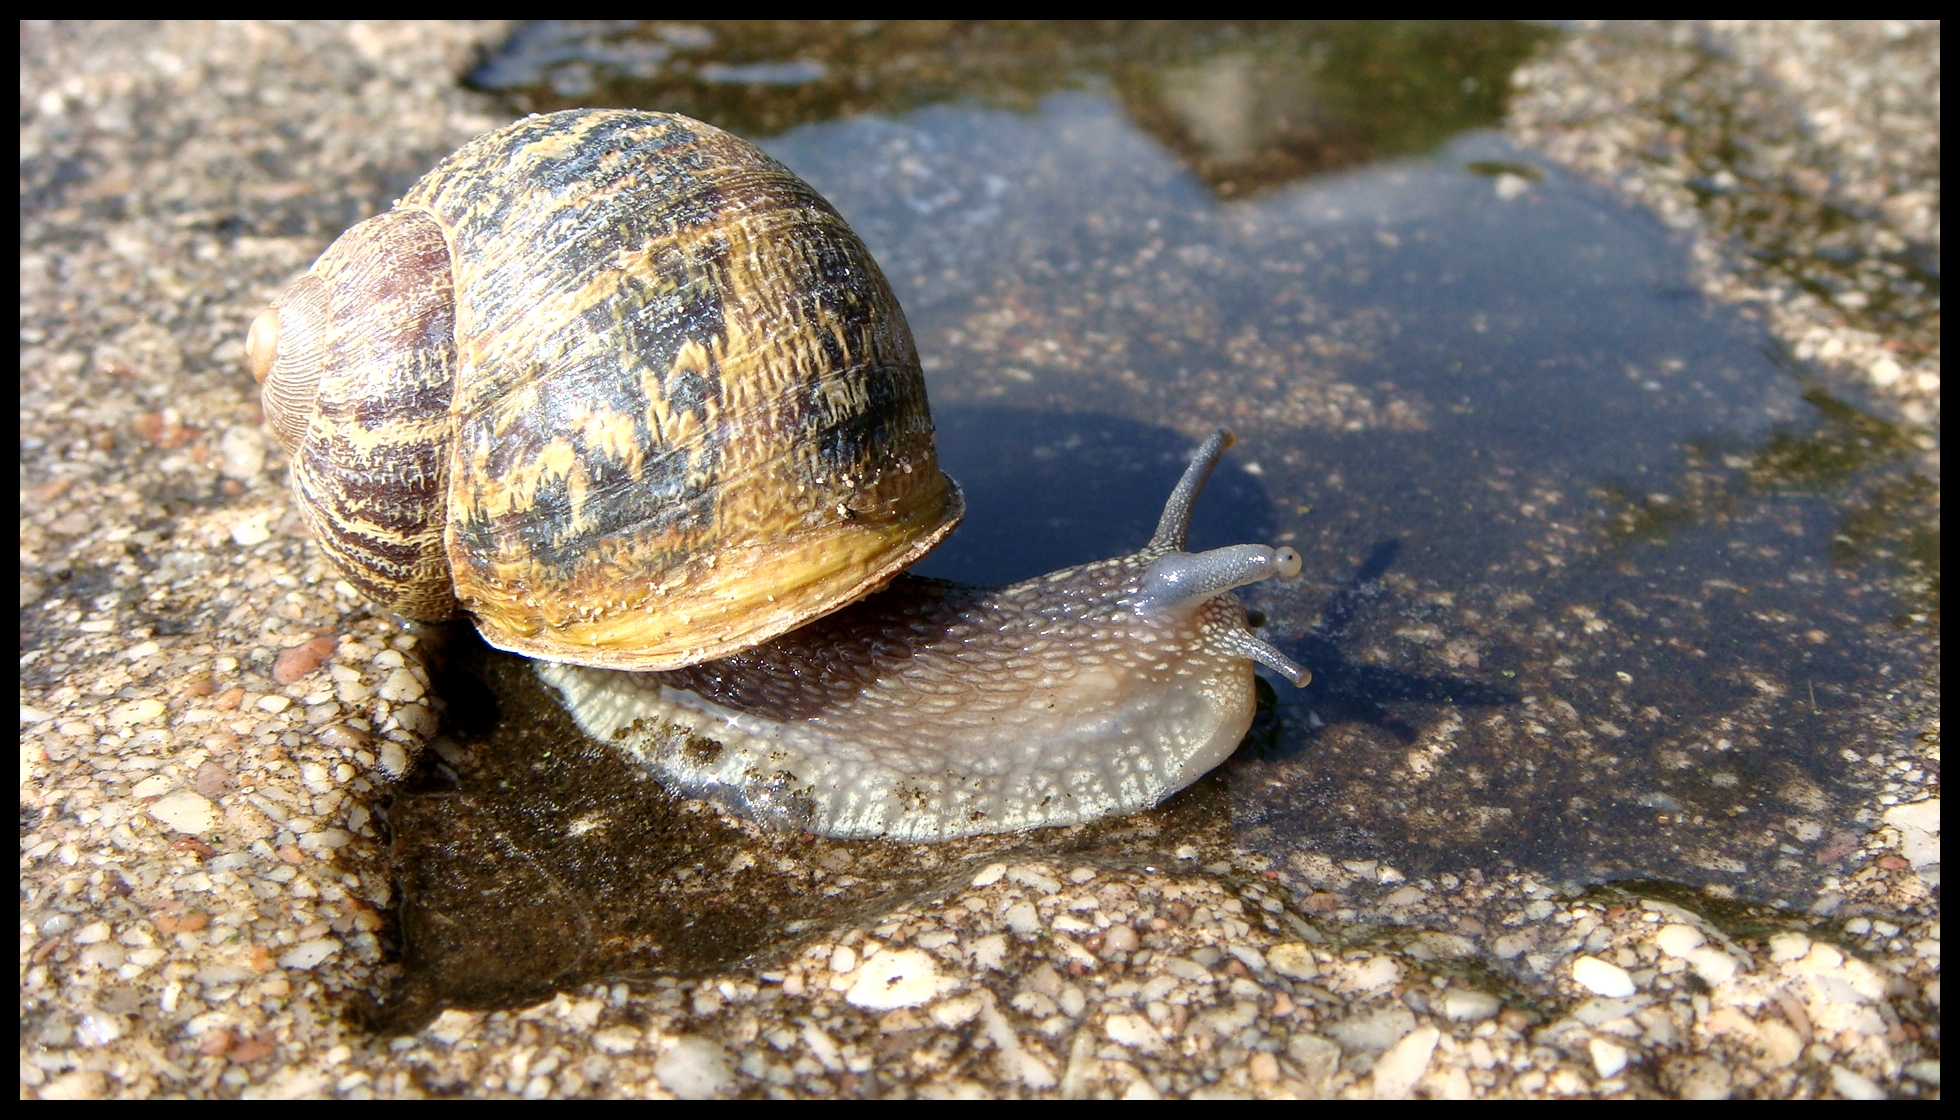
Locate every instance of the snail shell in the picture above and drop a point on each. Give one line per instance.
(618, 385)
(934, 710)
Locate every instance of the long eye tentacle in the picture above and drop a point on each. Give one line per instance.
(1175, 524)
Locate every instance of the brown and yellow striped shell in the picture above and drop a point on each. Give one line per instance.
(617, 384)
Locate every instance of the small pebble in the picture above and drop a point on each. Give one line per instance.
(1602, 978)
(895, 978)
(1609, 1058)
(186, 812)
(1677, 940)
(1855, 1086)
(1293, 960)
(400, 687)
(1467, 1005)
(297, 661)
(1398, 1069)
(308, 954)
(241, 453)
(251, 531)
(695, 1069)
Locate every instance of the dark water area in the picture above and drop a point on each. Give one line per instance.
(1599, 583)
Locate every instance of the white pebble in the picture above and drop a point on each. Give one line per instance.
(956, 1012)
(1398, 1070)
(1919, 831)
(1368, 975)
(92, 933)
(990, 952)
(307, 954)
(616, 1040)
(1609, 1058)
(1712, 965)
(1133, 1032)
(1022, 919)
(186, 812)
(1293, 960)
(97, 1029)
(843, 960)
(1677, 940)
(1467, 1005)
(1855, 1087)
(1602, 978)
(895, 978)
(136, 711)
(253, 530)
(1790, 946)
(241, 453)
(1886, 372)
(401, 686)
(1034, 877)
(989, 875)
(694, 1069)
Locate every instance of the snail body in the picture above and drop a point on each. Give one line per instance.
(633, 396)
(933, 710)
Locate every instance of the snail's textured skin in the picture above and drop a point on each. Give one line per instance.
(674, 410)
(933, 710)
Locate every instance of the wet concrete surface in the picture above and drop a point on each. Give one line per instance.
(1621, 588)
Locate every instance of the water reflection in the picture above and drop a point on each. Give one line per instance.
(1247, 105)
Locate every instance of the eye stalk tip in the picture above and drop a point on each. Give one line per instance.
(1286, 561)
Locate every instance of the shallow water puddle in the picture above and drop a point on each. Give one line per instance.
(1597, 586)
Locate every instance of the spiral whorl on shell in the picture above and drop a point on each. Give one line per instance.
(678, 410)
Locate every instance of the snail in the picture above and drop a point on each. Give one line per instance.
(631, 395)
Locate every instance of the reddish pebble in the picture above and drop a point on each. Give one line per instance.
(50, 490)
(292, 855)
(213, 779)
(261, 958)
(188, 922)
(214, 1042)
(297, 661)
(228, 699)
(252, 1050)
(192, 844)
(165, 430)
(1120, 939)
